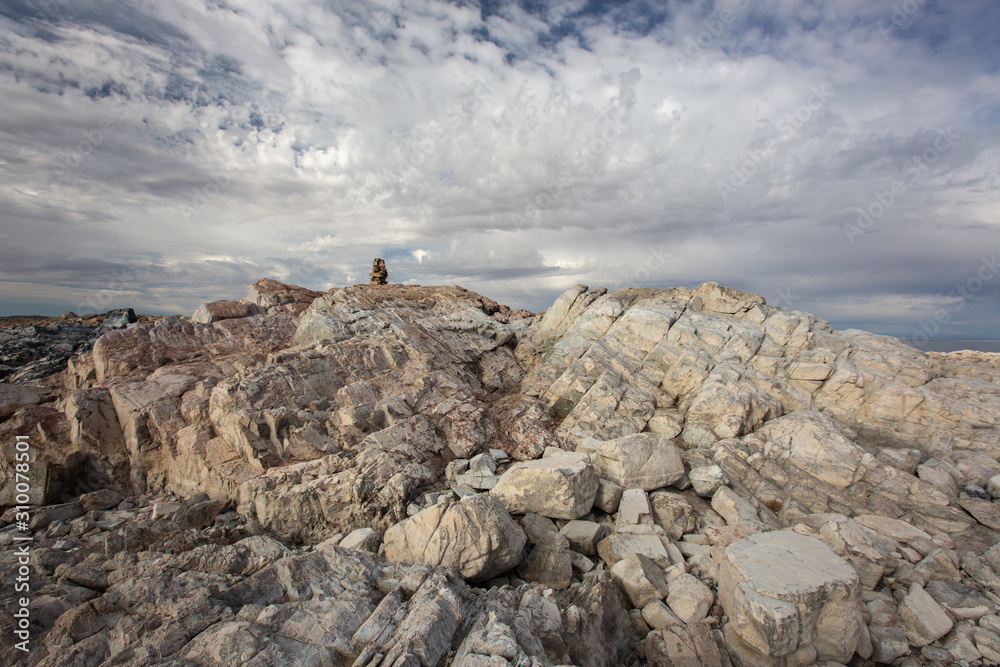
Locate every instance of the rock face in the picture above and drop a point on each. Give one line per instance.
(403, 475)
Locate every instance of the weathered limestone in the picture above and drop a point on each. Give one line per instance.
(789, 599)
(476, 536)
(689, 598)
(560, 487)
(642, 461)
(640, 579)
(310, 415)
(925, 620)
(214, 311)
(683, 646)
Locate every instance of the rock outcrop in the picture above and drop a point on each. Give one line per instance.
(402, 475)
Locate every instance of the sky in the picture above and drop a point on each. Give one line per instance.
(841, 158)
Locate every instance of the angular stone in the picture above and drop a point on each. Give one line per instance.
(735, 510)
(538, 528)
(961, 601)
(993, 486)
(900, 531)
(787, 593)
(683, 646)
(938, 565)
(557, 487)
(13, 397)
(988, 644)
(888, 643)
(617, 546)
(362, 539)
(925, 620)
(584, 536)
(985, 511)
(640, 579)
(641, 461)
(634, 508)
(706, 480)
(483, 462)
(213, 311)
(199, 515)
(608, 496)
(548, 564)
(689, 598)
(42, 517)
(658, 615)
(476, 536)
(478, 479)
(84, 575)
(165, 510)
(673, 513)
(101, 499)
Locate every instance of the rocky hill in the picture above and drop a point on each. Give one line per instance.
(397, 475)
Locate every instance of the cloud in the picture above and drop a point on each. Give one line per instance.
(515, 148)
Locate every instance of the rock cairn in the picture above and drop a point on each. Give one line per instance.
(379, 275)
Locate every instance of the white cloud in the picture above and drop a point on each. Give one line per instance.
(301, 139)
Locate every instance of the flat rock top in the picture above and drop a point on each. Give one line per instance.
(785, 564)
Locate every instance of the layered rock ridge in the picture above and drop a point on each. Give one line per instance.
(631, 476)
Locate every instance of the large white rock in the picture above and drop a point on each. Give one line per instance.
(925, 620)
(476, 536)
(790, 600)
(641, 461)
(560, 487)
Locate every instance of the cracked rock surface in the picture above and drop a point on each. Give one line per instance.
(400, 475)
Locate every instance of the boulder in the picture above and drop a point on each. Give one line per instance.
(706, 480)
(214, 311)
(788, 596)
(476, 536)
(362, 539)
(689, 598)
(608, 496)
(682, 646)
(560, 487)
(640, 579)
(925, 619)
(642, 461)
(548, 564)
(583, 536)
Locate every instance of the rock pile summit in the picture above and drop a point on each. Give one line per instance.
(419, 475)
